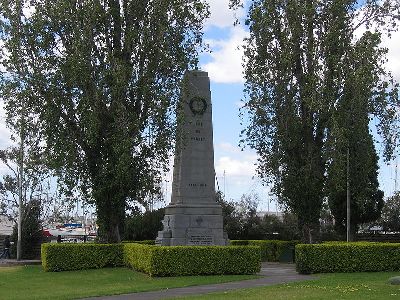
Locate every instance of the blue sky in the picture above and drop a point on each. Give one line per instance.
(224, 65)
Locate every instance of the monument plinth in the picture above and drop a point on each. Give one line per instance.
(193, 217)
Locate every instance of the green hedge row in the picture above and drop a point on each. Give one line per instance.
(347, 257)
(192, 260)
(145, 242)
(270, 250)
(153, 260)
(67, 257)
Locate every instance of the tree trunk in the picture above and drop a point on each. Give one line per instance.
(110, 216)
(309, 233)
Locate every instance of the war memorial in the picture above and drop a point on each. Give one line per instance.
(193, 217)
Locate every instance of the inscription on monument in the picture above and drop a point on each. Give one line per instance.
(198, 139)
(200, 237)
(200, 240)
(197, 184)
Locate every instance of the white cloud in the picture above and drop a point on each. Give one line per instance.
(227, 147)
(234, 167)
(391, 43)
(239, 104)
(393, 55)
(4, 138)
(28, 10)
(221, 16)
(227, 56)
(4, 131)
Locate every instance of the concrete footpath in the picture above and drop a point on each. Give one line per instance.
(14, 262)
(273, 273)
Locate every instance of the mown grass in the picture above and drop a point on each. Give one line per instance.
(31, 282)
(327, 286)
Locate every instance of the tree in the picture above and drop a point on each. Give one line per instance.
(102, 79)
(366, 199)
(20, 189)
(300, 65)
(144, 226)
(391, 213)
(231, 223)
(31, 230)
(240, 218)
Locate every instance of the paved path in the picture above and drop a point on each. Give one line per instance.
(273, 273)
(14, 262)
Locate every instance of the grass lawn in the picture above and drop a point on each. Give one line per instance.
(328, 286)
(30, 282)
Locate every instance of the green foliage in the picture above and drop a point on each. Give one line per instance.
(352, 134)
(270, 250)
(144, 242)
(31, 232)
(100, 81)
(308, 75)
(67, 257)
(153, 260)
(347, 257)
(241, 221)
(139, 257)
(143, 226)
(390, 220)
(192, 260)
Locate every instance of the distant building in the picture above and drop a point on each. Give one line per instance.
(6, 226)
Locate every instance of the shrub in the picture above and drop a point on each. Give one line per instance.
(67, 257)
(138, 257)
(145, 242)
(143, 226)
(192, 260)
(347, 257)
(153, 260)
(270, 250)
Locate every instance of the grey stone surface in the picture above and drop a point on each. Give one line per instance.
(22, 262)
(394, 280)
(272, 273)
(193, 217)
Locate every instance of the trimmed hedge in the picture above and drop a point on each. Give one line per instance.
(138, 257)
(347, 257)
(153, 260)
(192, 260)
(67, 257)
(270, 250)
(144, 242)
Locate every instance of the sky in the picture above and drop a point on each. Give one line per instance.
(235, 168)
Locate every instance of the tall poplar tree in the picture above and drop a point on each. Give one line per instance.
(349, 135)
(297, 74)
(101, 79)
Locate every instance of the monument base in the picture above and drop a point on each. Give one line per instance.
(192, 225)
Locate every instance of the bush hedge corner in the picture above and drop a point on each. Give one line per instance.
(347, 257)
(68, 257)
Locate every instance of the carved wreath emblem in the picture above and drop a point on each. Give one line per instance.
(198, 105)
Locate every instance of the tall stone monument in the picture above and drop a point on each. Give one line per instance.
(193, 217)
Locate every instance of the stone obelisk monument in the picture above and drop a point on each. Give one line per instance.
(193, 217)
